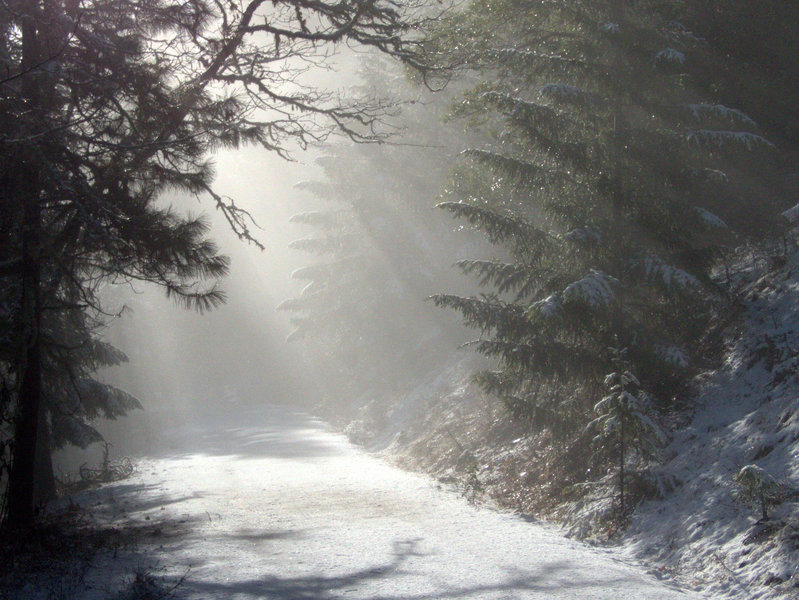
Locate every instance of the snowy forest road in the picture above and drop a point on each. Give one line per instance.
(283, 509)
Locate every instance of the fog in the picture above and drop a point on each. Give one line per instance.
(187, 367)
(190, 357)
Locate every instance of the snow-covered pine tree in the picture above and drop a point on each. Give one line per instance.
(626, 422)
(600, 188)
(759, 47)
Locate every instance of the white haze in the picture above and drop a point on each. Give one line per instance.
(184, 366)
(187, 366)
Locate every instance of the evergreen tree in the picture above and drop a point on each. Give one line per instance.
(609, 187)
(626, 420)
(107, 104)
(753, 65)
(376, 250)
(73, 397)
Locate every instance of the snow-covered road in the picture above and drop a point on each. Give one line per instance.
(282, 508)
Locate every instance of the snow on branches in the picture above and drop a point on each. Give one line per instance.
(730, 139)
(595, 289)
(654, 269)
(732, 115)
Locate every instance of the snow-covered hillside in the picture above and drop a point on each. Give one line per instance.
(747, 413)
(699, 529)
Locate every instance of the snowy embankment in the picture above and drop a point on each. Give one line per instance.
(747, 413)
(701, 533)
(281, 508)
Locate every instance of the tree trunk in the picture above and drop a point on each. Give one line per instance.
(23, 469)
(21, 478)
(44, 477)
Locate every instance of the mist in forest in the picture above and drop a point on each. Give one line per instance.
(368, 328)
(545, 253)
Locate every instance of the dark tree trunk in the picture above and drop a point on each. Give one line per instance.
(44, 477)
(21, 478)
(621, 469)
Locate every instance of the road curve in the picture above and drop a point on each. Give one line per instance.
(278, 507)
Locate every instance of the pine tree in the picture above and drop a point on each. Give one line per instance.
(73, 397)
(608, 185)
(375, 250)
(626, 420)
(107, 104)
(755, 49)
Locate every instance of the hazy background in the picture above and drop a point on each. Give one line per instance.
(188, 368)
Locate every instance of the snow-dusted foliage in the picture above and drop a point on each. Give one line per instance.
(584, 235)
(727, 139)
(619, 250)
(757, 486)
(626, 419)
(611, 28)
(522, 171)
(590, 202)
(518, 107)
(679, 32)
(561, 61)
(498, 226)
(792, 214)
(549, 307)
(672, 355)
(511, 53)
(737, 454)
(712, 175)
(733, 115)
(503, 275)
(710, 220)
(596, 289)
(654, 269)
(670, 56)
(562, 92)
(627, 406)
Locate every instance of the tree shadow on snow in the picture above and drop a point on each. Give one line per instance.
(129, 498)
(546, 579)
(267, 535)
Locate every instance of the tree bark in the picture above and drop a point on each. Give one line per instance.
(44, 477)
(21, 484)
(621, 470)
(21, 479)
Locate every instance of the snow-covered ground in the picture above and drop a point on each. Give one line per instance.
(747, 413)
(700, 532)
(273, 505)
